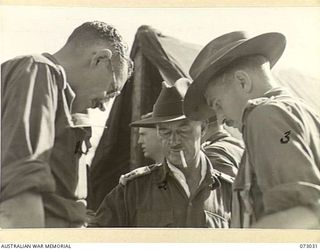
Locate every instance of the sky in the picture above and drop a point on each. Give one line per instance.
(25, 30)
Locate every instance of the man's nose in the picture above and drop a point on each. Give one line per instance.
(113, 85)
(174, 138)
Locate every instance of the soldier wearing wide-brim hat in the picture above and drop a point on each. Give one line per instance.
(182, 191)
(168, 106)
(278, 183)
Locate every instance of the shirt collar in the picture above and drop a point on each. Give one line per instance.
(61, 69)
(278, 91)
(210, 176)
(207, 172)
(178, 173)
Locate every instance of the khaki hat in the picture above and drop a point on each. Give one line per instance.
(169, 105)
(218, 54)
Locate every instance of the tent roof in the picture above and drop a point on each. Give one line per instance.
(301, 85)
(171, 56)
(157, 58)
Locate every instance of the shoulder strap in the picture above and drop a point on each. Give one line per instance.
(124, 179)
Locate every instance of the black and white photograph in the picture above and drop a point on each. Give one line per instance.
(155, 118)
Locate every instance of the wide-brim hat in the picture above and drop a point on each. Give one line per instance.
(218, 54)
(168, 106)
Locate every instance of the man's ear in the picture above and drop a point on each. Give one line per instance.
(209, 101)
(244, 80)
(207, 98)
(102, 55)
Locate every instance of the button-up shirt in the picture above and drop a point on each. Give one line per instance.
(39, 148)
(157, 199)
(281, 165)
(225, 153)
(177, 173)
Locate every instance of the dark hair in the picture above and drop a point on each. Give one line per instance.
(89, 31)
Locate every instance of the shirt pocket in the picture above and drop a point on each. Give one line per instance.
(214, 220)
(155, 218)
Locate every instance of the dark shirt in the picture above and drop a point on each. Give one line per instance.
(155, 198)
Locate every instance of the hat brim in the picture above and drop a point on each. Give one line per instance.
(153, 121)
(270, 45)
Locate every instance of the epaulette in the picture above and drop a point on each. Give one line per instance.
(39, 58)
(253, 103)
(256, 102)
(137, 172)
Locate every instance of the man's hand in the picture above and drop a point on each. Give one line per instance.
(22, 211)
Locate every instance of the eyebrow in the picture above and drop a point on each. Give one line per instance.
(163, 128)
(184, 123)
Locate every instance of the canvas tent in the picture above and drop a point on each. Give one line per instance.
(157, 58)
(302, 85)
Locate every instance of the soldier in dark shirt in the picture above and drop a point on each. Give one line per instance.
(184, 190)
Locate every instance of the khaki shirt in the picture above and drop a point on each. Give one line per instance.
(225, 153)
(154, 198)
(40, 147)
(280, 168)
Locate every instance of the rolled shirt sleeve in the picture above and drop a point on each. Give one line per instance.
(279, 152)
(29, 103)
